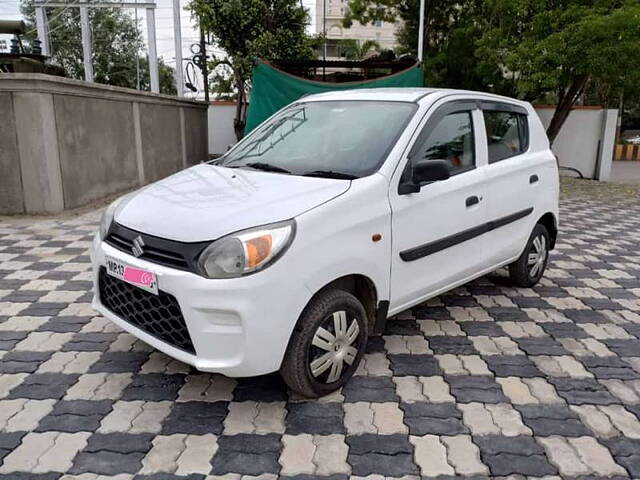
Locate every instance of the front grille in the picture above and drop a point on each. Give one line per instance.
(155, 255)
(158, 315)
(170, 253)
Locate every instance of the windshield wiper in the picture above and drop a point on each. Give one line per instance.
(267, 167)
(330, 174)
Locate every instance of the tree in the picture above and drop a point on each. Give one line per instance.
(116, 42)
(452, 31)
(539, 50)
(353, 50)
(250, 29)
(556, 49)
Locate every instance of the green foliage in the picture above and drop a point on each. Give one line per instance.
(549, 44)
(353, 50)
(247, 30)
(546, 50)
(452, 31)
(116, 40)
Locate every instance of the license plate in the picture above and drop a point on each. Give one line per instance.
(135, 276)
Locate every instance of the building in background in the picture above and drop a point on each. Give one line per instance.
(382, 32)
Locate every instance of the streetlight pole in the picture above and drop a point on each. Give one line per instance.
(85, 31)
(177, 33)
(421, 31)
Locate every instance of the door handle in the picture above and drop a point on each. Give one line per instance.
(471, 201)
(533, 178)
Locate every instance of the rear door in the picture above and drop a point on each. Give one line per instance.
(437, 232)
(514, 178)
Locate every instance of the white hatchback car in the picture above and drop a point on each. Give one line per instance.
(339, 211)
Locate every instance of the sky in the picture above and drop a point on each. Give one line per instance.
(10, 10)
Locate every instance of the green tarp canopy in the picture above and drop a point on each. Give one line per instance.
(274, 89)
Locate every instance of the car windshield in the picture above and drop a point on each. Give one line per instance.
(335, 139)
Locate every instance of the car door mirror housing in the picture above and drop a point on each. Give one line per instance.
(425, 171)
(430, 171)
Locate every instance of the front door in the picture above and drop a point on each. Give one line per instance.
(437, 232)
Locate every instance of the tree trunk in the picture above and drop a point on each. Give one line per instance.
(565, 103)
(241, 112)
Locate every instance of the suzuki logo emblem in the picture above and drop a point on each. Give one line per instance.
(138, 243)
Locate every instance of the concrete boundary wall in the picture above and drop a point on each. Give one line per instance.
(586, 140)
(67, 143)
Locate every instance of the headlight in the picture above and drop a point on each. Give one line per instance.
(247, 251)
(107, 216)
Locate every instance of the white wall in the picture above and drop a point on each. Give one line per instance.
(221, 133)
(586, 140)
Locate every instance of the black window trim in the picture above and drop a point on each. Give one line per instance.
(454, 106)
(495, 106)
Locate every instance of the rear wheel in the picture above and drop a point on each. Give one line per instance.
(530, 266)
(327, 345)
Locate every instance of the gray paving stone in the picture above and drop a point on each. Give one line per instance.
(112, 454)
(195, 418)
(247, 454)
(119, 362)
(39, 386)
(514, 456)
(370, 389)
(267, 388)
(610, 367)
(153, 387)
(477, 388)
(89, 342)
(23, 361)
(387, 455)
(626, 452)
(456, 345)
(541, 346)
(414, 365)
(580, 391)
(546, 420)
(424, 418)
(314, 418)
(512, 366)
(75, 416)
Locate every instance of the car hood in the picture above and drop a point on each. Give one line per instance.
(206, 202)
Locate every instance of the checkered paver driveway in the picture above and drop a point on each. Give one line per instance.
(485, 381)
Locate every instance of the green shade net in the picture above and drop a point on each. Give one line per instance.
(274, 89)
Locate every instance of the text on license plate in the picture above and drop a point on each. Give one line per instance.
(135, 276)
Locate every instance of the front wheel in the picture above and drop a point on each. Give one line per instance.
(327, 344)
(530, 266)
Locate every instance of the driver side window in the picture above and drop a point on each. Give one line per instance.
(451, 139)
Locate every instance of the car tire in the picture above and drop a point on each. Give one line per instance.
(528, 269)
(318, 361)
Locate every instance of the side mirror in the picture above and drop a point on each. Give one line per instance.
(430, 171)
(425, 171)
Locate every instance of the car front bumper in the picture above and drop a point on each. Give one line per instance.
(239, 327)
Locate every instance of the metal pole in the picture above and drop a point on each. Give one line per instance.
(153, 52)
(135, 11)
(43, 30)
(324, 35)
(85, 30)
(205, 72)
(177, 35)
(421, 31)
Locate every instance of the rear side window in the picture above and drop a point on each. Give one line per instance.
(507, 134)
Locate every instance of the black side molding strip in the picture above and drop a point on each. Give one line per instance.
(452, 240)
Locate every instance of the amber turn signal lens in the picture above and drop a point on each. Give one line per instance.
(258, 249)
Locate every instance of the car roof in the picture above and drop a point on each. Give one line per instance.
(397, 94)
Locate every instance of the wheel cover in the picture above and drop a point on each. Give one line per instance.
(334, 344)
(537, 256)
